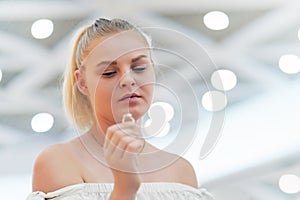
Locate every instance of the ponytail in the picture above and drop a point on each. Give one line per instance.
(77, 106)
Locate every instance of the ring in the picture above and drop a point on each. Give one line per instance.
(127, 117)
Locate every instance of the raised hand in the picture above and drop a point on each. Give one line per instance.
(121, 147)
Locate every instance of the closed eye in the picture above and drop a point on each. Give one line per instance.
(139, 68)
(109, 74)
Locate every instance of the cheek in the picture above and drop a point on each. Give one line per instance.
(100, 96)
(146, 77)
(149, 89)
(148, 82)
(92, 83)
(103, 93)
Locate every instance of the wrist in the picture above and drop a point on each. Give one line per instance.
(123, 193)
(126, 187)
(117, 196)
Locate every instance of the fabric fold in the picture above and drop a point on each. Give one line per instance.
(147, 191)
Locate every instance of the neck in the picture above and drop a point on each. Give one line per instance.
(98, 134)
(98, 131)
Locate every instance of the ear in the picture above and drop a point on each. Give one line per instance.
(81, 83)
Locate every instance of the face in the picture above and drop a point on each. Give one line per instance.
(119, 77)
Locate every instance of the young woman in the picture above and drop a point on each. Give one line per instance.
(111, 76)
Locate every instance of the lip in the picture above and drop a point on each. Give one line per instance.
(130, 96)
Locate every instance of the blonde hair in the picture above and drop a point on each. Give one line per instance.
(77, 105)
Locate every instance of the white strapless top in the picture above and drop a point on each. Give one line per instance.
(147, 191)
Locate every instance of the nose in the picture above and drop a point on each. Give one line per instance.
(127, 80)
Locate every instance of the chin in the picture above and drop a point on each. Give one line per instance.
(138, 112)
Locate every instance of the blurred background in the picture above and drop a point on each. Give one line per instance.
(254, 49)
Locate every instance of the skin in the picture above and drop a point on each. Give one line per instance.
(124, 67)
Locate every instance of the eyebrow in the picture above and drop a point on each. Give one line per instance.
(115, 62)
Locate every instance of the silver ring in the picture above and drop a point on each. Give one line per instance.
(127, 117)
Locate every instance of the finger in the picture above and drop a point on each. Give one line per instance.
(122, 145)
(110, 132)
(110, 144)
(115, 154)
(134, 146)
(118, 143)
(134, 129)
(130, 129)
(127, 128)
(138, 122)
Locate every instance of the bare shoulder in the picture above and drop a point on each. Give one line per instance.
(186, 172)
(180, 169)
(55, 168)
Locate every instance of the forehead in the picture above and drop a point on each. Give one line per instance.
(114, 46)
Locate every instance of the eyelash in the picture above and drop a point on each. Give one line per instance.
(109, 74)
(137, 69)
